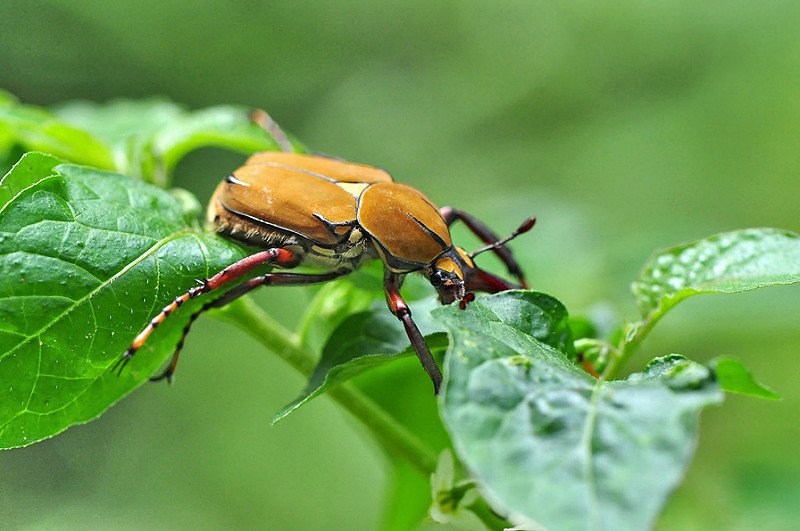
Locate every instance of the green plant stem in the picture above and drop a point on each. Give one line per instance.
(631, 340)
(584, 344)
(247, 316)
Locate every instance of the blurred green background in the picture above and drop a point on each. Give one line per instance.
(625, 126)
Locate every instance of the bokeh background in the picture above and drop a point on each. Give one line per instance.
(625, 126)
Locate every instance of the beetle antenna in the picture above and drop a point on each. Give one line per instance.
(522, 229)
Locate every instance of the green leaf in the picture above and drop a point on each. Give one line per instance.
(86, 259)
(6, 98)
(224, 126)
(361, 342)
(337, 300)
(31, 168)
(36, 129)
(733, 377)
(150, 137)
(552, 444)
(726, 263)
(117, 121)
(534, 314)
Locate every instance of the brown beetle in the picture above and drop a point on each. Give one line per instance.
(326, 212)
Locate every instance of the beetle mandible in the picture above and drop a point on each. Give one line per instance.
(322, 211)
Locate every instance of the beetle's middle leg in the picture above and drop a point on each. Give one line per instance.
(401, 310)
(487, 236)
(269, 279)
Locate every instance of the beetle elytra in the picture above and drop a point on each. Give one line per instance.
(336, 215)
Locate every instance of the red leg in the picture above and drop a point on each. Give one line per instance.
(479, 280)
(400, 309)
(487, 236)
(270, 279)
(233, 272)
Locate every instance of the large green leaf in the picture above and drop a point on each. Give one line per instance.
(552, 444)
(145, 138)
(150, 137)
(86, 259)
(726, 263)
(115, 122)
(37, 129)
(26, 172)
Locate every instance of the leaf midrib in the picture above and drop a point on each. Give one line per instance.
(155, 247)
(142, 257)
(586, 443)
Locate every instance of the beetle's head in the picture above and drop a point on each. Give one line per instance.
(455, 275)
(449, 274)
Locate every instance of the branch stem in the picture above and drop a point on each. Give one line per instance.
(247, 316)
(631, 340)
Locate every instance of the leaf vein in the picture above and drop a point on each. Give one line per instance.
(586, 443)
(102, 285)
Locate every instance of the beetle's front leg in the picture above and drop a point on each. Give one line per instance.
(486, 235)
(400, 309)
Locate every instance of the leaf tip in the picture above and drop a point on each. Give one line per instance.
(734, 377)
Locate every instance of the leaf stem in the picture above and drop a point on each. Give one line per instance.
(246, 315)
(631, 340)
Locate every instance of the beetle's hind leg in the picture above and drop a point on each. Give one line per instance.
(487, 236)
(269, 279)
(265, 122)
(277, 256)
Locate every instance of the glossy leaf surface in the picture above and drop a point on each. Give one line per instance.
(726, 263)
(551, 443)
(86, 259)
(363, 341)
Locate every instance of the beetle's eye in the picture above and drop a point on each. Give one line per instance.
(439, 277)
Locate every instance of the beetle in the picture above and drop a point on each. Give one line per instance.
(336, 215)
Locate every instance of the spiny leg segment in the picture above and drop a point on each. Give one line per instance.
(270, 279)
(277, 256)
(400, 309)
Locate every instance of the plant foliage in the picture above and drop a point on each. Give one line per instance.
(90, 250)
